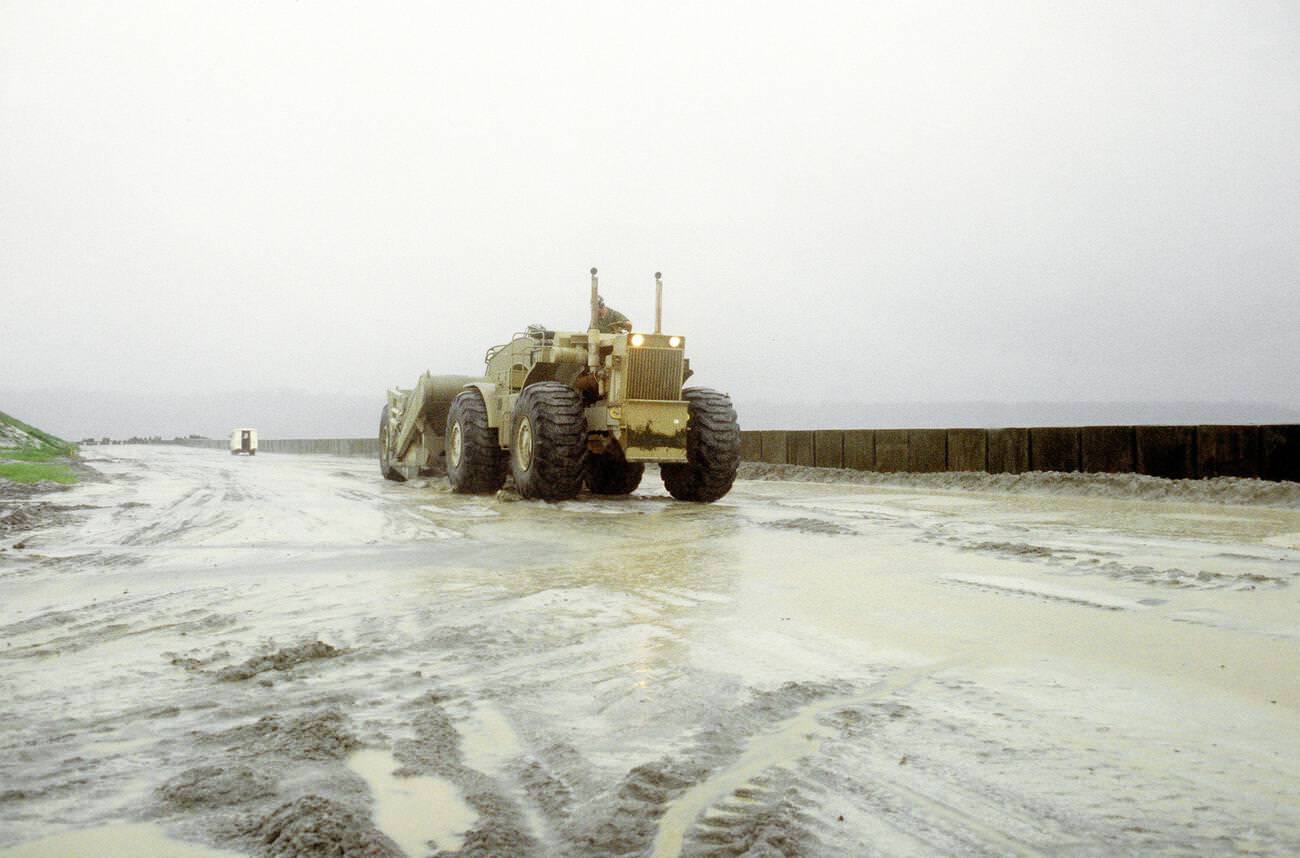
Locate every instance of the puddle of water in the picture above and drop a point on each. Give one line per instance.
(489, 744)
(461, 512)
(413, 810)
(488, 740)
(114, 841)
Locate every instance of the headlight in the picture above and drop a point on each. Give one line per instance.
(638, 339)
(674, 342)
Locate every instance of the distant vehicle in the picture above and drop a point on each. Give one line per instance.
(243, 441)
(557, 410)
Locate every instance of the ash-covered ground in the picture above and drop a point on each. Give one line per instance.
(286, 656)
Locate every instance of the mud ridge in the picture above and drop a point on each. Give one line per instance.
(627, 822)
(321, 735)
(284, 659)
(10, 490)
(317, 827)
(501, 828)
(1219, 490)
(755, 822)
(550, 793)
(812, 525)
(25, 517)
(435, 748)
(215, 786)
(1172, 576)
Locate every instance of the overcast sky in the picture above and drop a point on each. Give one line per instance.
(927, 202)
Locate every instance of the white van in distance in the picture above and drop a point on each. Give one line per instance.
(243, 441)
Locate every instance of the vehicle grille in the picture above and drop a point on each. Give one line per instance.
(654, 374)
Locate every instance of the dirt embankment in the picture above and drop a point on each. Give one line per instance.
(34, 468)
(1219, 490)
(27, 507)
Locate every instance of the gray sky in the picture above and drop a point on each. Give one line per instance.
(921, 202)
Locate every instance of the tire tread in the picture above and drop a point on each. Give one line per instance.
(559, 441)
(712, 449)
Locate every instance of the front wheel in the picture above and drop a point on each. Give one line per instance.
(548, 441)
(611, 474)
(712, 449)
(475, 462)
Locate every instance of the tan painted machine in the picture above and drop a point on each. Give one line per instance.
(556, 410)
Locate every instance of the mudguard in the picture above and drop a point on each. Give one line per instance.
(488, 391)
(425, 408)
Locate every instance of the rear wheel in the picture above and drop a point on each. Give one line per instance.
(475, 462)
(611, 474)
(385, 463)
(712, 449)
(548, 441)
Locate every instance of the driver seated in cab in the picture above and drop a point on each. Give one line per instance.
(609, 320)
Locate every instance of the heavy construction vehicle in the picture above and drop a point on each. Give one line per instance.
(556, 410)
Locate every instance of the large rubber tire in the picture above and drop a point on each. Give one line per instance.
(548, 441)
(385, 465)
(611, 474)
(476, 464)
(712, 449)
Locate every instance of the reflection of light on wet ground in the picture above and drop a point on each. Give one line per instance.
(784, 746)
(488, 740)
(114, 841)
(573, 645)
(466, 511)
(413, 810)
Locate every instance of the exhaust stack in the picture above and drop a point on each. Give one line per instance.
(659, 303)
(593, 332)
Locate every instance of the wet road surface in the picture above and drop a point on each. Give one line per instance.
(257, 656)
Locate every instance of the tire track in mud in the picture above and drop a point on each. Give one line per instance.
(585, 816)
(547, 801)
(1057, 545)
(758, 800)
(278, 785)
(592, 817)
(197, 508)
(109, 620)
(624, 741)
(435, 748)
(963, 768)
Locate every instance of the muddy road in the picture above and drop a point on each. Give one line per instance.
(288, 656)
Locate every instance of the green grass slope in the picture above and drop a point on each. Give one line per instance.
(30, 455)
